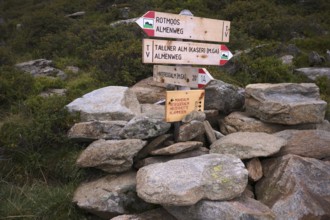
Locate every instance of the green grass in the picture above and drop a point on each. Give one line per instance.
(38, 200)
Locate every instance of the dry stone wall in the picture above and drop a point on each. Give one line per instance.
(233, 161)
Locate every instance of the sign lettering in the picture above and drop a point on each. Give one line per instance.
(193, 77)
(181, 103)
(159, 24)
(182, 52)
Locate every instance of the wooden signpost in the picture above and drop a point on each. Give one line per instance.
(193, 77)
(180, 103)
(159, 24)
(183, 52)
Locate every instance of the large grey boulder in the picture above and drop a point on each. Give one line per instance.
(285, 103)
(295, 187)
(306, 143)
(239, 208)
(223, 97)
(110, 196)
(153, 111)
(41, 67)
(112, 156)
(315, 59)
(94, 130)
(190, 130)
(243, 122)
(186, 181)
(107, 104)
(246, 145)
(194, 116)
(314, 72)
(143, 127)
(149, 91)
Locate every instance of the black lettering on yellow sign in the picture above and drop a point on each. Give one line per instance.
(179, 106)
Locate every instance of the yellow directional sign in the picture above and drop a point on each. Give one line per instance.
(181, 102)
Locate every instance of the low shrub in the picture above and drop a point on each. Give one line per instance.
(14, 86)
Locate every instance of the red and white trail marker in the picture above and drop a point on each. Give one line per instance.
(165, 25)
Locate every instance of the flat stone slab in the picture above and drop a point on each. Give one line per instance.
(285, 103)
(110, 196)
(112, 156)
(155, 214)
(243, 122)
(143, 127)
(238, 208)
(186, 181)
(161, 159)
(306, 143)
(314, 72)
(107, 104)
(190, 130)
(246, 145)
(177, 148)
(94, 130)
(295, 187)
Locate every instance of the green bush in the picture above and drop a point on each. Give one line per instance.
(81, 84)
(120, 63)
(6, 56)
(14, 86)
(262, 70)
(38, 130)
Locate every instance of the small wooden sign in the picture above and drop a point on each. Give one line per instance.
(181, 102)
(193, 77)
(166, 25)
(184, 52)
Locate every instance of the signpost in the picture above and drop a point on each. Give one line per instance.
(159, 24)
(181, 102)
(183, 52)
(193, 77)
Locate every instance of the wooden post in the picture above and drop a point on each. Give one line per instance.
(178, 124)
